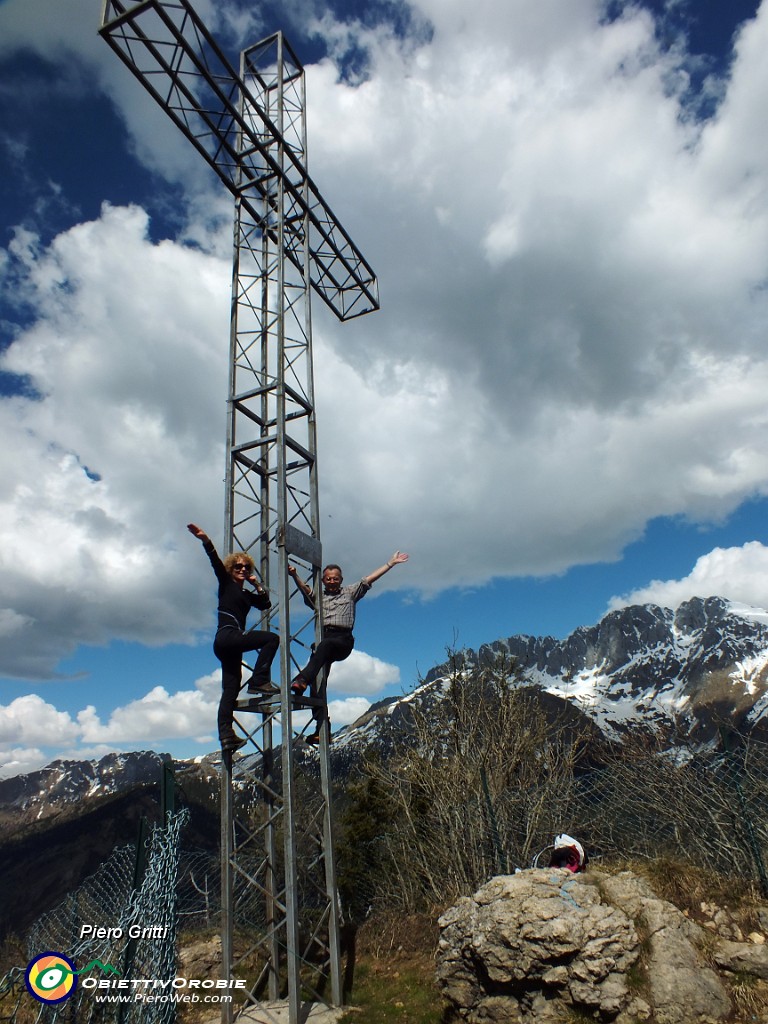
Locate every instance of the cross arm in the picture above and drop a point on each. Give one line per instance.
(168, 48)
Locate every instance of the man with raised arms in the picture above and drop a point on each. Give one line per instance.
(339, 605)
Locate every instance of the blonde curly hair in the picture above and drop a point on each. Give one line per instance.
(238, 556)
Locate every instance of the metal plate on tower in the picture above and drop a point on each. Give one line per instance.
(302, 545)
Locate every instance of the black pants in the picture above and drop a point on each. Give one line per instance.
(336, 645)
(229, 647)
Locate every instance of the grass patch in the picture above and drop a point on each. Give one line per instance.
(577, 1016)
(394, 992)
(637, 978)
(393, 980)
(391, 933)
(750, 996)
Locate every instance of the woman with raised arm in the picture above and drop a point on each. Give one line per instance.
(232, 639)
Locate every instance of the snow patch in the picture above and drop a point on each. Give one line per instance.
(745, 611)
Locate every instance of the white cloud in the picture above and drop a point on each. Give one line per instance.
(33, 732)
(340, 712)
(80, 58)
(121, 449)
(344, 712)
(739, 574)
(571, 339)
(210, 685)
(472, 499)
(31, 720)
(21, 761)
(362, 673)
(157, 715)
(11, 621)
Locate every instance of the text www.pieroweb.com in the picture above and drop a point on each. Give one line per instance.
(176, 990)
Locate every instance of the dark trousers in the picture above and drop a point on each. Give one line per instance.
(229, 647)
(336, 645)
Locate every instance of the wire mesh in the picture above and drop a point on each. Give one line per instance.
(110, 926)
(444, 837)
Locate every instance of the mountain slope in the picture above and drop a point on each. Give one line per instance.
(682, 672)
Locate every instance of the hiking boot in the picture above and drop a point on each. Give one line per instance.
(314, 738)
(266, 689)
(230, 744)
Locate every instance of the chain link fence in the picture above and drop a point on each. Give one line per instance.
(198, 890)
(710, 811)
(447, 824)
(120, 923)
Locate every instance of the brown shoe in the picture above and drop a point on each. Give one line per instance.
(314, 738)
(230, 744)
(263, 689)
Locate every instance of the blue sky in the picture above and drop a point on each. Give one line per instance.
(559, 408)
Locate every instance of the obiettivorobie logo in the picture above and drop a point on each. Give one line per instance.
(52, 977)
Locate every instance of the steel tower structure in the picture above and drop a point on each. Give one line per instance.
(279, 905)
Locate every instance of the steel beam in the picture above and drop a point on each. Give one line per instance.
(169, 49)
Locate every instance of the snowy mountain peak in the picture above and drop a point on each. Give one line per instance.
(67, 782)
(684, 670)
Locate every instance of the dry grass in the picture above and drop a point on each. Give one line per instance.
(687, 886)
(750, 997)
(392, 933)
(13, 953)
(390, 976)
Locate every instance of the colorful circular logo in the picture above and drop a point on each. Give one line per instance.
(51, 978)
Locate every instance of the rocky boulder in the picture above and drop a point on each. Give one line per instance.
(544, 945)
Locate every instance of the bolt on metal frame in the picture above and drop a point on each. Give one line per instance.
(279, 903)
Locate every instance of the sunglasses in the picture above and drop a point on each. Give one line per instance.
(240, 567)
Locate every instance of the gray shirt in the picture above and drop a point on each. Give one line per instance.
(339, 609)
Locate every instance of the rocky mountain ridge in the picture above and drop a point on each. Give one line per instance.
(685, 672)
(70, 782)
